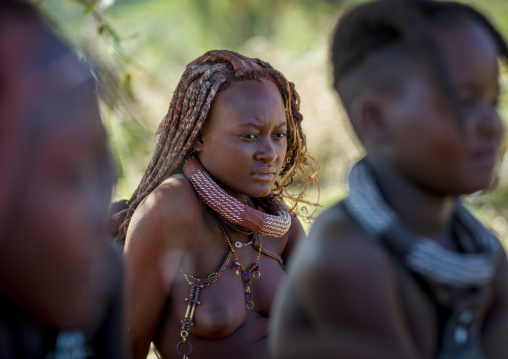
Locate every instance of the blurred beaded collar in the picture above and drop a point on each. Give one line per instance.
(422, 255)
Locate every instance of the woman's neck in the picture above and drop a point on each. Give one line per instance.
(423, 212)
(239, 196)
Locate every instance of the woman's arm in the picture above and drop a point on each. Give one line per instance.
(157, 239)
(296, 233)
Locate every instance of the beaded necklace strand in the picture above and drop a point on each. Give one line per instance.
(239, 244)
(237, 227)
(184, 348)
(246, 274)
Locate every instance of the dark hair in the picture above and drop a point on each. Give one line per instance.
(374, 27)
(19, 8)
(203, 78)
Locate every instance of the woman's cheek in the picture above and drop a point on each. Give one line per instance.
(61, 256)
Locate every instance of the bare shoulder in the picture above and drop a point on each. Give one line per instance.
(332, 224)
(295, 234)
(159, 236)
(336, 240)
(339, 254)
(174, 197)
(340, 279)
(170, 212)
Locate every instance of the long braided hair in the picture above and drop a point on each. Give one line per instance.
(202, 79)
(374, 26)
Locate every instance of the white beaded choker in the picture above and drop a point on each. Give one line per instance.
(423, 255)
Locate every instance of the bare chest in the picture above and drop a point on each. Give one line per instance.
(213, 299)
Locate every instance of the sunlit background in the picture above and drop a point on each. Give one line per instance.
(139, 49)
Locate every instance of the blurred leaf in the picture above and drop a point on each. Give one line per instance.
(139, 49)
(90, 8)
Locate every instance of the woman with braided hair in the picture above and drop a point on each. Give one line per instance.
(206, 233)
(400, 268)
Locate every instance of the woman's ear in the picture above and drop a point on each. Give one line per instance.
(198, 143)
(368, 118)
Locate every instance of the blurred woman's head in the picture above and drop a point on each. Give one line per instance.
(56, 171)
(420, 82)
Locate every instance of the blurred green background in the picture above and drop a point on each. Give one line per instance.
(139, 49)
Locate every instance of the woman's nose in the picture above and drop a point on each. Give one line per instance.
(488, 123)
(267, 151)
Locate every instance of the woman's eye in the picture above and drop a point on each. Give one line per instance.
(249, 136)
(280, 135)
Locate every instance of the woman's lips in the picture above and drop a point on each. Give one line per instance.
(486, 157)
(264, 174)
(265, 177)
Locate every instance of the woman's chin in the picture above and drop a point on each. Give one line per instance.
(261, 194)
(262, 190)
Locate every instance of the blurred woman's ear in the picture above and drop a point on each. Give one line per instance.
(368, 120)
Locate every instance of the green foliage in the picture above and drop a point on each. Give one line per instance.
(139, 49)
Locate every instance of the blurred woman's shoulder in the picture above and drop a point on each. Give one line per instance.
(335, 224)
(337, 243)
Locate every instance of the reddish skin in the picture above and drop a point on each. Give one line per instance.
(55, 263)
(240, 128)
(172, 230)
(65, 204)
(347, 298)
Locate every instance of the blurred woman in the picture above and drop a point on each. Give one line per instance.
(60, 281)
(400, 268)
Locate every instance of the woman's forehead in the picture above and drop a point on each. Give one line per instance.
(45, 89)
(245, 92)
(467, 49)
(251, 102)
(52, 86)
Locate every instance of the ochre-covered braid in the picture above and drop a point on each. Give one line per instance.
(203, 78)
